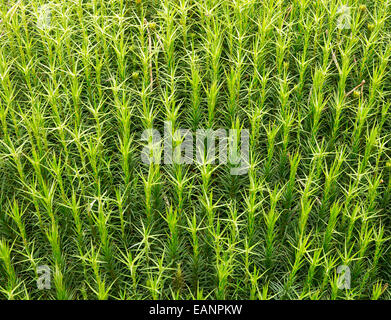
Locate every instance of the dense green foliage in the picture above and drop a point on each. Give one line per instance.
(76, 94)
